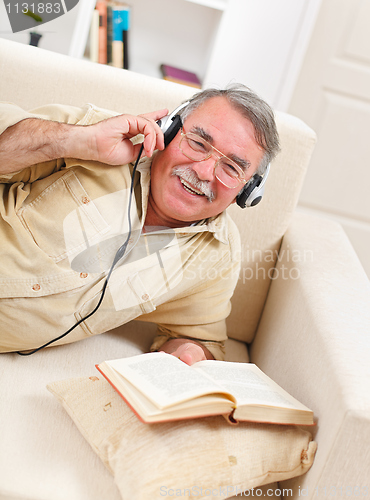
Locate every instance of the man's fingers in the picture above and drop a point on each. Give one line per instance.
(189, 353)
(156, 140)
(110, 138)
(144, 124)
(156, 115)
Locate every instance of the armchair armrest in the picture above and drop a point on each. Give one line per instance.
(313, 339)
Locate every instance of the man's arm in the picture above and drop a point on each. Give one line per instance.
(34, 140)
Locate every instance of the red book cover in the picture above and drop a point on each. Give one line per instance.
(101, 7)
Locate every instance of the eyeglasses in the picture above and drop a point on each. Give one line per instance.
(226, 171)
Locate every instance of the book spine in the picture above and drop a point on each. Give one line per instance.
(125, 63)
(101, 6)
(109, 34)
(121, 26)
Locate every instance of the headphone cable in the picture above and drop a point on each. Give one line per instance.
(119, 254)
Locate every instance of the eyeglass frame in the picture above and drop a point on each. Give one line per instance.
(212, 151)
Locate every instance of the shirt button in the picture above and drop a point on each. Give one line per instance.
(83, 275)
(145, 296)
(36, 287)
(85, 199)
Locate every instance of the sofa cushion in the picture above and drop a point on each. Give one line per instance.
(193, 457)
(263, 226)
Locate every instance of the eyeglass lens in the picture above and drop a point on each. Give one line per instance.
(195, 148)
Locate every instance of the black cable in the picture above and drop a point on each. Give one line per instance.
(119, 254)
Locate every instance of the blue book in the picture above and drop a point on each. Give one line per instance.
(121, 26)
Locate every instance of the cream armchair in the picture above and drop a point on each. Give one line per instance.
(301, 311)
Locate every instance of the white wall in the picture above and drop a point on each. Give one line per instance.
(332, 96)
(58, 35)
(262, 44)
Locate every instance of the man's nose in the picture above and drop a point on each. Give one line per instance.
(205, 169)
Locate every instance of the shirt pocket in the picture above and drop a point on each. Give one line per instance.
(44, 217)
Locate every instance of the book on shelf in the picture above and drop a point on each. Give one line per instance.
(159, 387)
(120, 30)
(109, 34)
(101, 7)
(109, 30)
(178, 75)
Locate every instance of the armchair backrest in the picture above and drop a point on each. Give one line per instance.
(262, 227)
(31, 77)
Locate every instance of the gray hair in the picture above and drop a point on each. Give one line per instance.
(252, 107)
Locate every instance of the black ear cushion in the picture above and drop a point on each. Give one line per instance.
(248, 189)
(256, 200)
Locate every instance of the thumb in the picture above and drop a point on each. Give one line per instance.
(191, 353)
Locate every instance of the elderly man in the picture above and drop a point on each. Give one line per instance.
(92, 241)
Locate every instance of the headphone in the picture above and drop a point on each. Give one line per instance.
(171, 124)
(252, 192)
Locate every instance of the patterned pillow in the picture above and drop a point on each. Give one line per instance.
(192, 458)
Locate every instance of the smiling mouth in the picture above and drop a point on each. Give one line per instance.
(192, 184)
(190, 189)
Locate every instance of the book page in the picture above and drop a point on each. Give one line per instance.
(248, 384)
(163, 378)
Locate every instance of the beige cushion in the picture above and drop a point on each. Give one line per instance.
(313, 339)
(197, 455)
(43, 456)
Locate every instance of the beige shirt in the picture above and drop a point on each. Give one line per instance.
(61, 223)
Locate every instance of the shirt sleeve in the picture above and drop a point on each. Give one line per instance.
(11, 114)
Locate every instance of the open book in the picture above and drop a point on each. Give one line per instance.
(159, 387)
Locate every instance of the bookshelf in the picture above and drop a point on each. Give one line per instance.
(179, 33)
(261, 43)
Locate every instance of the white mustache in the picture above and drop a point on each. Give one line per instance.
(187, 174)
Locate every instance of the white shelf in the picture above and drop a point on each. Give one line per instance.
(184, 41)
(213, 4)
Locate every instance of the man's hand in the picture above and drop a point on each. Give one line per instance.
(188, 351)
(109, 140)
